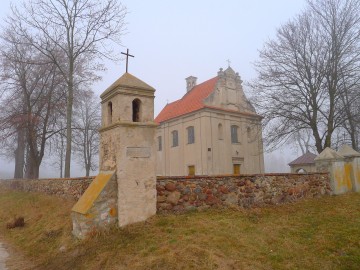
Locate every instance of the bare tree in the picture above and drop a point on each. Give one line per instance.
(87, 123)
(81, 30)
(58, 147)
(302, 139)
(12, 135)
(34, 97)
(301, 72)
(351, 112)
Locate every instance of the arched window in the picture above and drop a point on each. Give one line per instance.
(249, 134)
(110, 113)
(220, 132)
(175, 138)
(136, 109)
(301, 170)
(159, 143)
(234, 134)
(191, 135)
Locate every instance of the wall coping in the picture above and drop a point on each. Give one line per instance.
(159, 178)
(236, 176)
(53, 179)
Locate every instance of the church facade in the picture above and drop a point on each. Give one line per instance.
(212, 130)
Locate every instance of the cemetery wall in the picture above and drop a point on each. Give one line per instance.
(178, 194)
(71, 188)
(183, 193)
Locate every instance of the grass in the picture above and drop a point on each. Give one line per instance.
(313, 234)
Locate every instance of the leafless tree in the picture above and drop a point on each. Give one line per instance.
(33, 99)
(12, 136)
(301, 72)
(302, 139)
(87, 122)
(351, 113)
(58, 147)
(83, 31)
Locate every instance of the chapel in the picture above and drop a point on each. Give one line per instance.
(212, 130)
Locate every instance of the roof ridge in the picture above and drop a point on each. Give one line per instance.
(193, 100)
(307, 158)
(188, 92)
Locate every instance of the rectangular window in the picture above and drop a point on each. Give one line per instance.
(159, 144)
(234, 134)
(191, 170)
(191, 135)
(175, 138)
(236, 168)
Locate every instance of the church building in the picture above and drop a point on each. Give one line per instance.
(212, 130)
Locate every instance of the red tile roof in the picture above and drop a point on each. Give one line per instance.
(307, 158)
(190, 102)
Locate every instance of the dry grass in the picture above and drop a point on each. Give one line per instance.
(314, 234)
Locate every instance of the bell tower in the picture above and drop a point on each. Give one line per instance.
(127, 146)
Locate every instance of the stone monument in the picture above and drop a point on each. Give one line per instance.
(127, 146)
(127, 160)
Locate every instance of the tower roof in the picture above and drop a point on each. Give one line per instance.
(307, 158)
(129, 81)
(327, 154)
(347, 151)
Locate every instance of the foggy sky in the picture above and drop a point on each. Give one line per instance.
(172, 40)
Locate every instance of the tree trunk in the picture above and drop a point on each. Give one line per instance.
(61, 157)
(69, 109)
(20, 155)
(87, 170)
(33, 168)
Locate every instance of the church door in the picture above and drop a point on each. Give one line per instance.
(236, 169)
(191, 170)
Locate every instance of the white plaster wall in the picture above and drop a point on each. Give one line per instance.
(136, 175)
(173, 161)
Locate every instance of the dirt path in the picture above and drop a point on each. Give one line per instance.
(11, 259)
(3, 256)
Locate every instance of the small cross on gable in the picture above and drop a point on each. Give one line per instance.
(229, 62)
(127, 58)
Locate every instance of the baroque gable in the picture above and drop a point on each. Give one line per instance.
(228, 93)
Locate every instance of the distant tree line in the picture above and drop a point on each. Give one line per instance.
(50, 55)
(308, 83)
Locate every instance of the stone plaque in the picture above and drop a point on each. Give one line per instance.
(138, 152)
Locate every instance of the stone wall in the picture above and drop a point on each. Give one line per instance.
(177, 194)
(71, 188)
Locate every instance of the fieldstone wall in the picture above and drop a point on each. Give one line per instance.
(71, 188)
(178, 194)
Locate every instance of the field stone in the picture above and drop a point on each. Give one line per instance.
(170, 187)
(186, 190)
(178, 208)
(173, 197)
(231, 199)
(161, 199)
(202, 196)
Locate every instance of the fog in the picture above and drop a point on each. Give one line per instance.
(172, 40)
